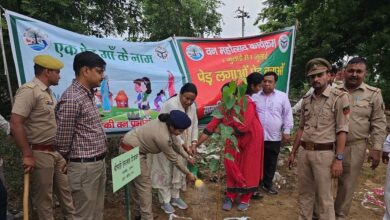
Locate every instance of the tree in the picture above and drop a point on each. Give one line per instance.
(99, 18)
(191, 18)
(334, 30)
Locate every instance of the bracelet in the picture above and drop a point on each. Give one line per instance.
(194, 142)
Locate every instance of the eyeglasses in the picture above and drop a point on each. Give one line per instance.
(99, 70)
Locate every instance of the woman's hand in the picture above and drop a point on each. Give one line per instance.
(190, 177)
(193, 148)
(191, 160)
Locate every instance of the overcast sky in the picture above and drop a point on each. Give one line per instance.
(232, 26)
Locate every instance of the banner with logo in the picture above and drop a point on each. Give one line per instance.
(139, 75)
(210, 63)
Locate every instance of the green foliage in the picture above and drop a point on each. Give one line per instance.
(217, 113)
(335, 30)
(134, 20)
(213, 165)
(192, 18)
(229, 156)
(12, 167)
(233, 97)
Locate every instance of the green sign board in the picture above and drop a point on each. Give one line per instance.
(125, 168)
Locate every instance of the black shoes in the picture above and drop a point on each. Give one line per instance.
(257, 196)
(271, 190)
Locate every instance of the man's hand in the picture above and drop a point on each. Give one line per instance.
(28, 164)
(374, 158)
(291, 159)
(385, 157)
(286, 138)
(337, 168)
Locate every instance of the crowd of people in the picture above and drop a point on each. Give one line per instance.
(63, 143)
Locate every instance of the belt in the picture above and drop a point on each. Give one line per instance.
(317, 147)
(359, 141)
(89, 159)
(42, 147)
(128, 147)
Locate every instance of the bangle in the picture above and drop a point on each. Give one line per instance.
(194, 142)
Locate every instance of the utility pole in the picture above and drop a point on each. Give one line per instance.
(242, 14)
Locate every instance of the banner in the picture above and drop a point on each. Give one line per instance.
(210, 63)
(139, 75)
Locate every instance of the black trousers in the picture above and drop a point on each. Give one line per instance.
(271, 152)
(3, 201)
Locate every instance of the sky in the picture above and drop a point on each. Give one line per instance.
(231, 27)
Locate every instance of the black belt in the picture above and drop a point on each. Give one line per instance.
(89, 159)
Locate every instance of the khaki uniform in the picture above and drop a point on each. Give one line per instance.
(166, 177)
(35, 101)
(151, 138)
(367, 120)
(322, 118)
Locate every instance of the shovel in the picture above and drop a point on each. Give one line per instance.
(25, 195)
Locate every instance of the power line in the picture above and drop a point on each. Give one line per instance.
(242, 14)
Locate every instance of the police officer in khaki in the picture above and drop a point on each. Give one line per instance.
(322, 134)
(367, 120)
(33, 126)
(156, 136)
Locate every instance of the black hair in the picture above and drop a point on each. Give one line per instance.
(164, 117)
(88, 59)
(255, 79)
(38, 69)
(137, 81)
(189, 87)
(271, 73)
(148, 85)
(334, 70)
(162, 92)
(356, 60)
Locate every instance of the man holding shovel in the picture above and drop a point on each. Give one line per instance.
(33, 126)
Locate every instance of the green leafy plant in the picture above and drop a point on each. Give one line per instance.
(234, 102)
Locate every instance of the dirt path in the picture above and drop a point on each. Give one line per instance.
(206, 204)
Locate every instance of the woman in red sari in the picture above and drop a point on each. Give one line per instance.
(245, 171)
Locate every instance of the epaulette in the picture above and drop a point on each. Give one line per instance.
(372, 88)
(338, 86)
(337, 91)
(307, 95)
(30, 85)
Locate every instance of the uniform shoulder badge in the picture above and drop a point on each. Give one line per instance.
(372, 88)
(346, 110)
(30, 85)
(337, 91)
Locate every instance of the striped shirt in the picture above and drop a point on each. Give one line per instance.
(79, 130)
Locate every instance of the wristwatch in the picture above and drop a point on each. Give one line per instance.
(339, 157)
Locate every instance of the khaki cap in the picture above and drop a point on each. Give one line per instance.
(48, 62)
(317, 65)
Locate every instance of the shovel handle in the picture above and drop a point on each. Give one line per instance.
(25, 195)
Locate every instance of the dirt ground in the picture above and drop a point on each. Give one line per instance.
(206, 204)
